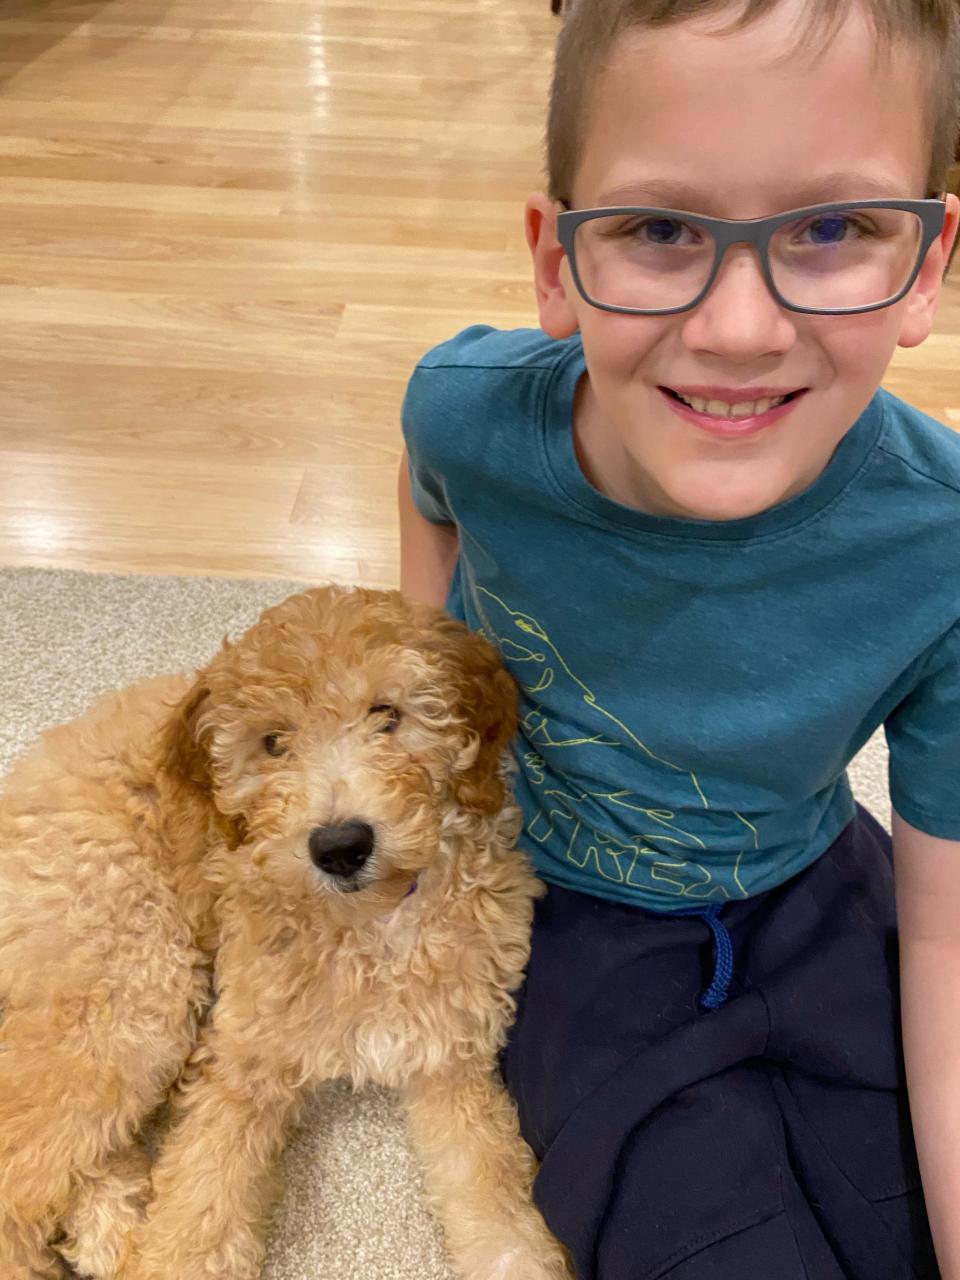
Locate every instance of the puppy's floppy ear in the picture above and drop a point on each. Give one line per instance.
(185, 756)
(486, 699)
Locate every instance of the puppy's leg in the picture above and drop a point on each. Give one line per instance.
(478, 1172)
(63, 1115)
(108, 1204)
(215, 1180)
(52, 1123)
(24, 1253)
(88, 1048)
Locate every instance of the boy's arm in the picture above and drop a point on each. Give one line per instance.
(928, 913)
(428, 551)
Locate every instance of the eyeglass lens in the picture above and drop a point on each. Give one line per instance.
(830, 259)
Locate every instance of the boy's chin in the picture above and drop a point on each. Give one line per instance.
(719, 498)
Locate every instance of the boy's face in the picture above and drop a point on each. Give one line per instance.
(682, 118)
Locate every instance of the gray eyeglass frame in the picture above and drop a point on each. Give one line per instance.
(758, 233)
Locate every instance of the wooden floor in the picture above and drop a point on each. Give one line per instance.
(227, 231)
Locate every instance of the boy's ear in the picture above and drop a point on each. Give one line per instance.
(551, 273)
(923, 297)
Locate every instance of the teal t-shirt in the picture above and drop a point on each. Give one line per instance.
(692, 691)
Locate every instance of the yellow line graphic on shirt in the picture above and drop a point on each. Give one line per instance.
(658, 855)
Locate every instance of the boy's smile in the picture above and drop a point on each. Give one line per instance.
(731, 413)
(675, 417)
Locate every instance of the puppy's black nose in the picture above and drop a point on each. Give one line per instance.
(341, 849)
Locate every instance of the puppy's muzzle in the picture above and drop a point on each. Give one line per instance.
(342, 848)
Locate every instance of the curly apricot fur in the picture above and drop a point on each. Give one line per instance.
(164, 935)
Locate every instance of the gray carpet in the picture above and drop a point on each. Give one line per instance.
(352, 1208)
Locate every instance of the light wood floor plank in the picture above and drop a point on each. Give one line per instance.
(227, 232)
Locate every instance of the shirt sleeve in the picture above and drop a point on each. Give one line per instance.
(421, 420)
(923, 733)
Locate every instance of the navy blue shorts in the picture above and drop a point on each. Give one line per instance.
(764, 1139)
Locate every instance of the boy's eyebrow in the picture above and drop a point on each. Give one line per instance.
(828, 188)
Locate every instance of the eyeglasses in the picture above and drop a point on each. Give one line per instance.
(828, 259)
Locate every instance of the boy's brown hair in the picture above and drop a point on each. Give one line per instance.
(591, 27)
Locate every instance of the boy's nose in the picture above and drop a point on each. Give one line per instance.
(740, 318)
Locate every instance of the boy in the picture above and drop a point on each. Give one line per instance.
(716, 558)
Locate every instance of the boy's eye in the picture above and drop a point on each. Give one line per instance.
(274, 744)
(390, 714)
(663, 230)
(651, 232)
(847, 229)
(830, 230)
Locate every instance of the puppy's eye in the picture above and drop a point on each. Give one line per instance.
(391, 714)
(274, 745)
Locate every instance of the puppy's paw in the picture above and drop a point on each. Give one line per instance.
(530, 1254)
(106, 1211)
(238, 1258)
(520, 1264)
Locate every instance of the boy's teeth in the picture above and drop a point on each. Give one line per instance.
(720, 409)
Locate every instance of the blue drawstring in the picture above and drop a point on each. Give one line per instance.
(719, 988)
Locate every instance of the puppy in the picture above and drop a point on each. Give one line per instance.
(298, 866)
